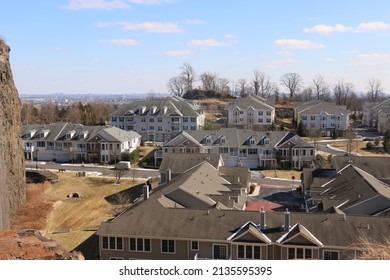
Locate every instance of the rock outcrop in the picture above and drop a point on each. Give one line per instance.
(31, 245)
(12, 174)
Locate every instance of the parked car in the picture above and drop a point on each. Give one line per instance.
(123, 165)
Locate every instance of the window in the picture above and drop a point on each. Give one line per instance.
(151, 120)
(260, 120)
(159, 120)
(248, 252)
(219, 252)
(185, 119)
(299, 253)
(113, 119)
(331, 255)
(168, 246)
(194, 246)
(143, 119)
(260, 113)
(140, 244)
(313, 118)
(193, 119)
(233, 152)
(121, 119)
(304, 118)
(252, 151)
(41, 144)
(268, 113)
(223, 150)
(112, 243)
(159, 128)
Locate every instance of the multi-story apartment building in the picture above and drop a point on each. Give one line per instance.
(322, 116)
(371, 112)
(384, 120)
(247, 148)
(188, 218)
(67, 142)
(251, 112)
(159, 120)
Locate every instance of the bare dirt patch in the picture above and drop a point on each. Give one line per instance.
(69, 221)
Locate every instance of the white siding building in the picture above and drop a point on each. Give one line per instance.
(67, 142)
(251, 112)
(159, 120)
(323, 116)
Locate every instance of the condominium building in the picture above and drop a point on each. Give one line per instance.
(159, 120)
(251, 112)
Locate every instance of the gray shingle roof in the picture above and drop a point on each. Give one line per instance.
(256, 102)
(239, 137)
(173, 105)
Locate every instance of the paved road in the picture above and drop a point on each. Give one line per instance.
(103, 170)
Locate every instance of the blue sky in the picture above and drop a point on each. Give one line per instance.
(136, 46)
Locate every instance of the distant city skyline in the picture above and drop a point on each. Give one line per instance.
(136, 46)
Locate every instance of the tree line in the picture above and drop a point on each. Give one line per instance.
(290, 86)
(95, 113)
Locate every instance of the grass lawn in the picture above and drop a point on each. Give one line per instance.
(360, 148)
(283, 174)
(71, 221)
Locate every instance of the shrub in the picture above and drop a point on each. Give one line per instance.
(369, 146)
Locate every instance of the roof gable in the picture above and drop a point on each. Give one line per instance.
(299, 235)
(249, 232)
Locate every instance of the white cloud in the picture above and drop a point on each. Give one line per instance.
(179, 53)
(373, 58)
(148, 2)
(123, 42)
(194, 21)
(285, 53)
(330, 59)
(373, 26)
(230, 36)
(327, 29)
(153, 27)
(107, 4)
(97, 5)
(208, 43)
(297, 44)
(281, 62)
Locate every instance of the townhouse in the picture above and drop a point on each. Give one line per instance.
(247, 148)
(322, 116)
(351, 191)
(197, 224)
(68, 142)
(384, 120)
(158, 120)
(251, 112)
(371, 112)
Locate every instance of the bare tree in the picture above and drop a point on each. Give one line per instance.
(375, 90)
(223, 85)
(293, 82)
(320, 87)
(262, 84)
(176, 86)
(307, 94)
(189, 76)
(243, 87)
(342, 91)
(209, 81)
(119, 172)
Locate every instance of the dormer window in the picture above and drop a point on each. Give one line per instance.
(70, 134)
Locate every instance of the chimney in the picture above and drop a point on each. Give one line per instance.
(262, 219)
(146, 192)
(169, 175)
(286, 226)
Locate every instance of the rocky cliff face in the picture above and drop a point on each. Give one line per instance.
(12, 175)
